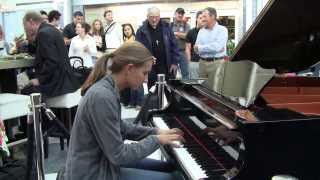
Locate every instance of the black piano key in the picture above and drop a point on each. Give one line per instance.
(214, 167)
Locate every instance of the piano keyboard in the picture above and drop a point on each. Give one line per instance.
(184, 157)
(200, 156)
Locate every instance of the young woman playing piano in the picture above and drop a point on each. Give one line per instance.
(97, 149)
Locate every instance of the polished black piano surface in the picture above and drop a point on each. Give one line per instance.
(284, 138)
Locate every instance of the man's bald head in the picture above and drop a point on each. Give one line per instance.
(153, 11)
(153, 16)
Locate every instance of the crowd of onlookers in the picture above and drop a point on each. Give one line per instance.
(176, 46)
(159, 47)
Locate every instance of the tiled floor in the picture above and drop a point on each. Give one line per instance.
(57, 157)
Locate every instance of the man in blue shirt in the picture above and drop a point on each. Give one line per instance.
(211, 41)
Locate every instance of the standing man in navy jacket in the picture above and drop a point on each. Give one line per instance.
(158, 37)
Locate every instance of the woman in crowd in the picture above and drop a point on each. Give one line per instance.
(83, 45)
(98, 33)
(97, 149)
(135, 96)
(128, 33)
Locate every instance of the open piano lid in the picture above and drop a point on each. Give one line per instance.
(285, 36)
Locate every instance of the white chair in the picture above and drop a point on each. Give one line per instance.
(64, 104)
(14, 106)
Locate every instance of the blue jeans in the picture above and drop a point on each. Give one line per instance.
(194, 70)
(136, 96)
(148, 169)
(183, 65)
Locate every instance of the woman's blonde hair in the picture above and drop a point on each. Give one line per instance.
(94, 30)
(129, 53)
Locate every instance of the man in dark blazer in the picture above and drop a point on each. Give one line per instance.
(52, 74)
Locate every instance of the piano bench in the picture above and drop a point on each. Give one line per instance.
(64, 104)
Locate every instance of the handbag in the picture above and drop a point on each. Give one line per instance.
(80, 71)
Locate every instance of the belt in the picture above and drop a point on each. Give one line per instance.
(211, 58)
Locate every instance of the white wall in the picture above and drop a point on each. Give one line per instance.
(252, 9)
(136, 13)
(12, 19)
(1, 19)
(96, 2)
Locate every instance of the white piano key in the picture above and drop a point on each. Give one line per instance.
(233, 153)
(159, 123)
(198, 122)
(188, 163)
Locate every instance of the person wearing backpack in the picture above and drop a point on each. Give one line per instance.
(180, 28)
(113, 32)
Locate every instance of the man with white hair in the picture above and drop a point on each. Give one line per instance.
(158, 37)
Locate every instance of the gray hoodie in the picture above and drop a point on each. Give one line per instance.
(97, 148)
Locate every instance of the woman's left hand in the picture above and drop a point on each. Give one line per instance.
(171, 131)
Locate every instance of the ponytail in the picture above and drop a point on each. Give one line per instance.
(129, 53)
(98, 72)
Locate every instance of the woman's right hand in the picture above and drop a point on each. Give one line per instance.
(175, 140)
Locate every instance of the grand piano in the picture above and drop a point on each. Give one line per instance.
(285, 38)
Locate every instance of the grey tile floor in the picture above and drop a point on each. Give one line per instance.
(56, 158)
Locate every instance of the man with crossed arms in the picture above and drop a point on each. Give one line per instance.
(211, 41)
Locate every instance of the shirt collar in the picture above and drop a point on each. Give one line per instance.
(175, 22)
(214, 26)
(107, 25)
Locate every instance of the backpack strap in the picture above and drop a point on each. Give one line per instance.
(111, 25)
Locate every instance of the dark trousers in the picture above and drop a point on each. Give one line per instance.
(148, 169)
